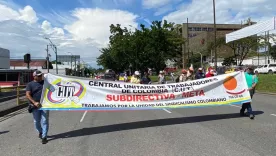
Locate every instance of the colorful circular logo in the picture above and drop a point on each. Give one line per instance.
(230, 84)
(62, 91)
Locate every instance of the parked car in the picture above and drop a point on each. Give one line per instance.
(266, 69)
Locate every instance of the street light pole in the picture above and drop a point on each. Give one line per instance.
(47, 50)
(71, 61)
(215, 34)
(54, 47)
(56, 59)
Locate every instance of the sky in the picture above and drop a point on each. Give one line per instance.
(81, 27)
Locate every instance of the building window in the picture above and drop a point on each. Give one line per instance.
(204, 29)
(192, 35)
(210, 29)
(190, 29)
(197, 29)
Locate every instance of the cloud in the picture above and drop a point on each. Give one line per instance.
(88, 31)
(50, 31)
(163, 10)
(94, 24)
(201, 11)
(26, 14)
(154, 3)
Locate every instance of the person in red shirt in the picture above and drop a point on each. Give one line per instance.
(211, 73)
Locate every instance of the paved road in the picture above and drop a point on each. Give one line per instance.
(213, 131)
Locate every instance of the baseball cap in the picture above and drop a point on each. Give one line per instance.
(37, 73)
(136, 73)
(199, 68)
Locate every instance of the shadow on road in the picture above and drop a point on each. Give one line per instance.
(4, 132)
(145, 124)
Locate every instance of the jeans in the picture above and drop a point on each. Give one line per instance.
(41, 121)
(248, 105)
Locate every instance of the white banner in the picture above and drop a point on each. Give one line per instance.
(67, 93)
(251, 30)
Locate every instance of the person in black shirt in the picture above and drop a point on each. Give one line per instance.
(200, 74)
(41, 117)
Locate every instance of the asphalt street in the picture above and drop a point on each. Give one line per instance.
(212, 131)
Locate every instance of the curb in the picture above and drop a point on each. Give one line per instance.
(267, 93)
(13, 109)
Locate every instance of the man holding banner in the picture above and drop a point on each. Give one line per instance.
(41, 117)
(251, 83)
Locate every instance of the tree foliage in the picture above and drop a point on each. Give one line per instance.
(273, 52)
(229, 61)
(241, 48)
(141, 49)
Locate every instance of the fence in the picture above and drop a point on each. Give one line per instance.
(15, 92)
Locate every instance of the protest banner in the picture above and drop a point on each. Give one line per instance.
(68, 93)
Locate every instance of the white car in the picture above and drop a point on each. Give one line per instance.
(266, 69)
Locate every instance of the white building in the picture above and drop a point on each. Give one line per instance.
(255, 61)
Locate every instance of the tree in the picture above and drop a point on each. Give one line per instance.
(273, 52)
(144, 48)
(241, 48)
(229, 61)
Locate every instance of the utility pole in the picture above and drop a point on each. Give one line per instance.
(56, 60)
(215, 36)
(54, 47)
(188, 44)
(183, 47)
(71, 63)
(75, 65)
(47, 50)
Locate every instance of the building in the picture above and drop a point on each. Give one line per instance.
(4, 58)
(10, 77)
(39, 64)
(201, 35)
(251, 61)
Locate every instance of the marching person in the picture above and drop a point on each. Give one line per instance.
(211, 73)
(183, 76)
(251, 83)
(146, 79)
(161, 78)
(190, 74)
(41, 117)
(200, 74)
(135, 78)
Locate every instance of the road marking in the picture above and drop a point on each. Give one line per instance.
(167, 110)
(83, 116)
(273, 114)
(236, 106)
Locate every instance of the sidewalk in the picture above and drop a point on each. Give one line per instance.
(11, 106)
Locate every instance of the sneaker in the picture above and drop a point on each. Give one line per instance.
(251, 116)
(40, 135)
(44, 140)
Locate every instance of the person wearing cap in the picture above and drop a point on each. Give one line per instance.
(251, 84)
(135, 78)
(161, 77)
(33, 94)
(200, 74)
(190, 74)
(211, 73)
(183, 76)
